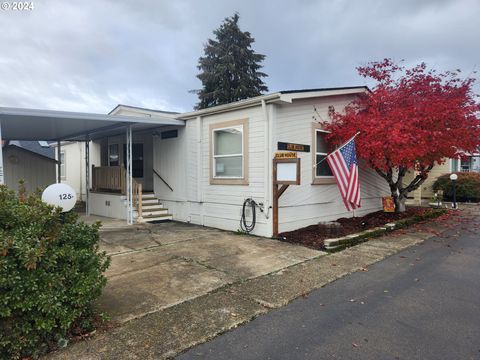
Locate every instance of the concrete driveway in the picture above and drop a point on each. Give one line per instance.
(157, 266)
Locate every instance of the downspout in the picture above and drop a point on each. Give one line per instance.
(266, 181)
(200, 166)
(80, 148)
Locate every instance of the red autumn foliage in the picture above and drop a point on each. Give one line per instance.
(412, 118)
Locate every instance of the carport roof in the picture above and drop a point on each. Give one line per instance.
(49, 125)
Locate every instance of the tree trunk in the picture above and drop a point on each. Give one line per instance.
(400, 203)
(397, 190)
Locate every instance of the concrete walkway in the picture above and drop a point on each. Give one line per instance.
(164, 333)
(157, 266)
(422, 303)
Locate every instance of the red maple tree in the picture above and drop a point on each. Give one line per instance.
(412, 118)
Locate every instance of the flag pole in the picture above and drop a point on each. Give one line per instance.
(346, 142)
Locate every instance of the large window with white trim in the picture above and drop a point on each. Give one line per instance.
(322, 170)
(228, 153)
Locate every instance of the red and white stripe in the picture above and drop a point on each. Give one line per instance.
(347, 180)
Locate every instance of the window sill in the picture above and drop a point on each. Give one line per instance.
(324, 181)
(215, 181)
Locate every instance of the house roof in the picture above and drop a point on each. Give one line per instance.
(34, 147)
(323, 89)
(161, 112)
(280, 96)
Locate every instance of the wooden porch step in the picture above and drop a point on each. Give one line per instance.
(150, 201)
(148, 196)
(151, 207)
(155, 212)
(155, 218)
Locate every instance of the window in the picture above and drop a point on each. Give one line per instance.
(63, 174)
(321, 152)
(465, 165)
(322, 174)
(170, 134)
(113, 155)
(228, 146)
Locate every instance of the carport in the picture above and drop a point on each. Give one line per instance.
(57, 126)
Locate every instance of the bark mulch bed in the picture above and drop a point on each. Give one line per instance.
(313, 235)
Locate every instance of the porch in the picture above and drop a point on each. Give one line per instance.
(109, 193)
(110, 184)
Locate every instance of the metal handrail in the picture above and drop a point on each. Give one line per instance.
(156, 173)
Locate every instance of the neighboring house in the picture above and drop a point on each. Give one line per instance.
(31, 161)
(425, 191)
(203, 171)
(72, 164)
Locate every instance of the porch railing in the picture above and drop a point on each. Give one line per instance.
(114, 179)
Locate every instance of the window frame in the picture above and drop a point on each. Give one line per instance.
(229, 180)
(319, 180)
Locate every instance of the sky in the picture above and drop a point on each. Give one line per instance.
(90, 55)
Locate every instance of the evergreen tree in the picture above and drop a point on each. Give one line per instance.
(230, 67)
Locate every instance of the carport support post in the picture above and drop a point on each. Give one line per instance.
(129, 194)
(87, 177)
(2, 180)
(59, 162)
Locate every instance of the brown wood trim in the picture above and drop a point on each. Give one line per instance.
(246, 134)
(323, 181)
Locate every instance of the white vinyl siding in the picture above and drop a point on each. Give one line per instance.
(307, 204)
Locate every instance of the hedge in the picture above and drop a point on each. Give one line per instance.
(50, 273)
(467, 187)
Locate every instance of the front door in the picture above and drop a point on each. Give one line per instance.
(137, 159)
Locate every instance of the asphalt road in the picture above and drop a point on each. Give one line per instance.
(422, 303)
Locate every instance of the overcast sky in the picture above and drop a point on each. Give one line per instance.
(92, 55)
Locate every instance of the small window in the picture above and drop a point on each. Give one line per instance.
(170, 134)
(63, 174)
(228, 153)
(113, 155)
(321, 152)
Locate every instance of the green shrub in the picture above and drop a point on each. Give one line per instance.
(49, 275)
(467, 187)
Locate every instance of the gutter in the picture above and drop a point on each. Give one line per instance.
(232, 106)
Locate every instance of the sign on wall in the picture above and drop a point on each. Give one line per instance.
(293, 147)
(61, 195)
(286, 155)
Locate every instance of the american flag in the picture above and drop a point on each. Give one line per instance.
(343, 163)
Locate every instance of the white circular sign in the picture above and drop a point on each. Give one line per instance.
(453, 177)
(61, 195)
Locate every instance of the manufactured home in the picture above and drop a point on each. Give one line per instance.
(203, 169)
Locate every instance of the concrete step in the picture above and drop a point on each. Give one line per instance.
(148, 196)
(146, 219)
